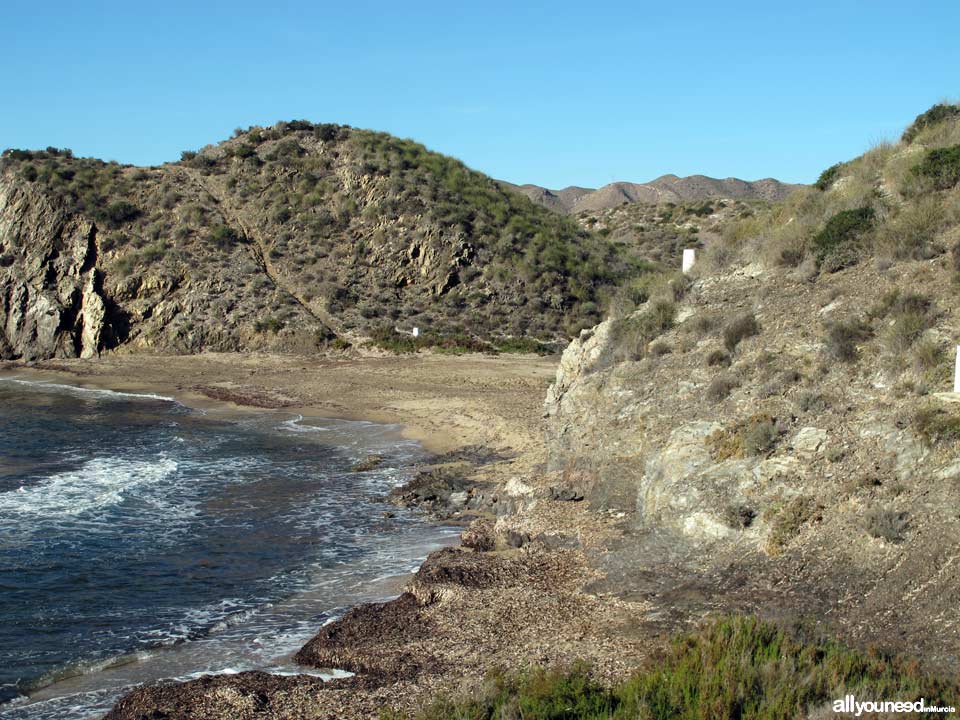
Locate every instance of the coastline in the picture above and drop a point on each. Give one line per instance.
(443, 402)
(527, 571)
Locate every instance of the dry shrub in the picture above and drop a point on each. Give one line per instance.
(721, 386)
(739, 329)
(912, 232)
(843, 337)
(887, 525)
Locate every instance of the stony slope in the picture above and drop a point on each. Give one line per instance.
(283, 238)
(777, 430)
(665, 189)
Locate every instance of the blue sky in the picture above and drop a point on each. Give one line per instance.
(555, 94)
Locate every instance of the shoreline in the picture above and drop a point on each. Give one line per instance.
(338, 389)
(516, 591)
(381, 589)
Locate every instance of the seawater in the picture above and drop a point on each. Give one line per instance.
(140, 540)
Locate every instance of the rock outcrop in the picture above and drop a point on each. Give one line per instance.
(51, 296)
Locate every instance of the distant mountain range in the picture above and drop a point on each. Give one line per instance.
(667, 188)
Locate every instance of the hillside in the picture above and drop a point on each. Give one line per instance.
(286, 238)
(665, 189)
(778, 428)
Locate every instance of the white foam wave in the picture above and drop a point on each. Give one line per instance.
(74, 389)
(293, 425)
(98, 483)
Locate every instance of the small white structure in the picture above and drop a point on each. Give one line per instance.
(956, 373)
(689, 258)
(416, 332)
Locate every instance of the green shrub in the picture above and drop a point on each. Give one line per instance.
(827, 177)
(523, 345)
(940, 167)
(224, 236)
(837, 245)
(937, 114)
(120, 212)
(270, 324)
(739, 329)
(733, 667)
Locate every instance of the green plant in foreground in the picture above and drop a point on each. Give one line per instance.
(738, 667)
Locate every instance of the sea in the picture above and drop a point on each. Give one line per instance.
(141, 539)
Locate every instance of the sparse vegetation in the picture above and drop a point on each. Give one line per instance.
(637, 331)
(270, 324)
(736, 667)
(721, 386)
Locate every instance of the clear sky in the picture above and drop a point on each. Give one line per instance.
(557, 93)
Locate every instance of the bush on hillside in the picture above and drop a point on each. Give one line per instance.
(637, 331)
(937, 114)
(827, 177)
(935, 425)
(843, 337)
(120, 212)
(887, 525)
(940, 167)
(224, 236)
(912, 232)
(837, 245)
(739, 329)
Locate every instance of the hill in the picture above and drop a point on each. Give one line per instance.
(779, 430)
(285, 237)
(665, 189)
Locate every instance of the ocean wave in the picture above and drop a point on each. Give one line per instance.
(83, 667)
(97, 392)
(98, 483)
(293, 425)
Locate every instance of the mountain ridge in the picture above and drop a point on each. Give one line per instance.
(666, 188)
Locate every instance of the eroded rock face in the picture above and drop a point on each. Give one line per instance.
(51, 300)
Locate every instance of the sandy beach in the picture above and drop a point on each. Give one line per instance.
(444, 402)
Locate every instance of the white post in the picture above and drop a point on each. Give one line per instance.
(689, 258)
(956, 373)
(416, 332)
